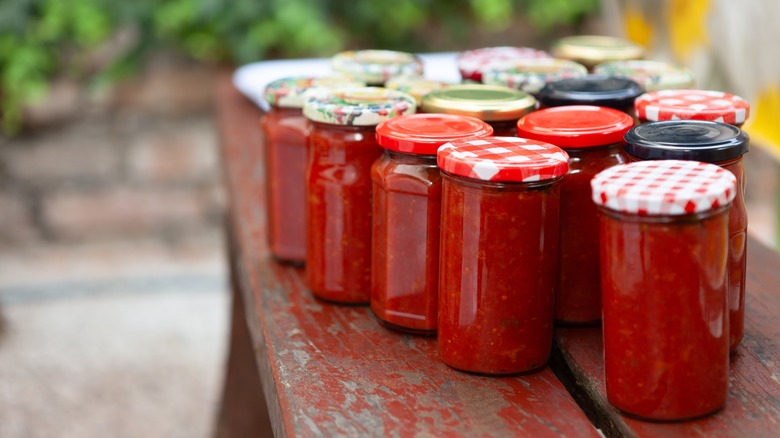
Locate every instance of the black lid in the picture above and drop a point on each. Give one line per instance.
(710, 142)
(599, 90)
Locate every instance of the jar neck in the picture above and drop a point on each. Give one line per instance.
(408, 158)
(665, 219)
(291, 111)
(603, 150)
(499, 185)
(345, 128)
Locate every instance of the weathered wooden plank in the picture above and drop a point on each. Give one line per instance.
(753, 406)
(332, 370)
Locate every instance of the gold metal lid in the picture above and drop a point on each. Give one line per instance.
(591, 50)
(490, 103)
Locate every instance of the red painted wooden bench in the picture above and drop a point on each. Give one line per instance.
(299, 367)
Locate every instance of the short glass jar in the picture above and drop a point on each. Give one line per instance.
(285, 130)
(342, 149)
(713, 106)
(530, 75)
(406, 217)
(499, 244)
(664, 252)
(651, 75)
(716, 143)
(597, 90)
(593, 138)
(375, 67)
(592, 50)
(501, 107)
(472, 63)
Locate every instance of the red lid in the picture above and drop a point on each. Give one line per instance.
(503, 159)
(473, 62)
(424, 133)
(576, 126)
(715, 106)
(663, 187)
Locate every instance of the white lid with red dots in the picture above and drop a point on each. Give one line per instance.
(663, 187)
(504, 159)
(714, 106)
(472, 63)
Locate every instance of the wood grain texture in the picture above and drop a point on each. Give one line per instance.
(753, 405)
(333, 370)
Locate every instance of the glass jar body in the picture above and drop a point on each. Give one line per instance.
(664, 287)
(499, 244)
(285, 132)
(503, 128)
(338, 211)
(405, 262)
(578, 291)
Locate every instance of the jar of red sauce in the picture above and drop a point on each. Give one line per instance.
(664, 252)
(472, 63)
(598, 90)
(593, 138)
(530, 75)
(592, 50)
(285, 129)
(651, 75)
(501, 107)
(715, 143)
(499, 245)
(375, 67)
(407, 210)
(714, 106)
(342, 149)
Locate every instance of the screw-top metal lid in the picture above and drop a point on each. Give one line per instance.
(289, 92)
(576, 126)
(472, 63)
(591, 50)
(664, 187)
(424, 133)
(367, 106)
(486, 102)
(375, 67)
(711, 142)
(596, 90)
(415, 86)
(715, 106)
(651, 75)
(531, 75)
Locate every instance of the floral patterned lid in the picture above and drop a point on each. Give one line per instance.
(651, 75)
(288, 92)
(365, 106)
(375, 67)
(530, 75)
(416, 86)
(472, 63)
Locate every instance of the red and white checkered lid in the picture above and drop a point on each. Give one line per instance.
(473, 62)
(715, 106)
(509, 159)
(663, 187)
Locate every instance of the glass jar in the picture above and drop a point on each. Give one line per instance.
(375, 67)
(651, 75)
(593, 138)
(501, 107)
(592, 50)
(407, 210)
(472, 62)
(342, 149)
(499, 244)
(415, 86)
(598, 90)
(664, 248)
(713, 106)
(530, 75)
(716, 143)
(285, 130)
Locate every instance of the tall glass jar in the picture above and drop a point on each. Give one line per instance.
(472, 63)
(715, 143)
(342, 149)
(500, 107)
(713, 106)
(592, 50)
(375, 67)
(530, 75)
(664, 252)
(285, 130)
(598, 90)
(593, 138)
(499, 244)
(407, 210)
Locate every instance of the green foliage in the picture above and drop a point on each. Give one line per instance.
(39, 38)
